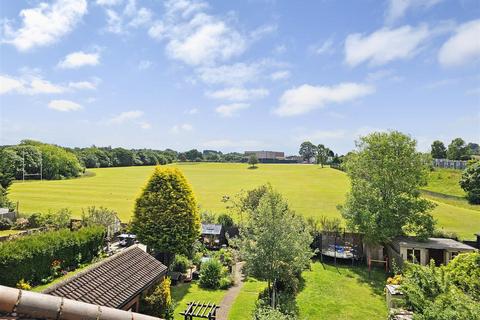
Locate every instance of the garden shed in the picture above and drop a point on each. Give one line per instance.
(213, 235)
(411, 249)
(118, 281)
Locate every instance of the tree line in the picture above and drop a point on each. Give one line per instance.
(320, 153)
(458, 149)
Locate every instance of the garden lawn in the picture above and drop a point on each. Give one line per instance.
(189, 292)
(342, 293)
(244, 305)
(8, 232)
(310, 190)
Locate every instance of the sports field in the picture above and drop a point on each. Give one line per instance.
(311, 191)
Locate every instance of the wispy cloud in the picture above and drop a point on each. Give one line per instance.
(79, 59)
(463, 47)
(238, 94)
(64, 105)
(385, 45)
(192, 111)
(396, 9)
(325, 48)
(145, 64)
(120, 21)
(84, 85)
(28, 85)
(179, 128)
(280, 75)
(45, 24)
(230, 110)
(306, 98)
(126, 116)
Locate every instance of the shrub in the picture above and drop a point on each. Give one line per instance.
(23, 285)
(160, 303)
(180, 263)
(225, 256)
(31, 257)
(225, 283)
(5, 224)
(210, 274)
(225, 220)
(267, 313)
(470, 182)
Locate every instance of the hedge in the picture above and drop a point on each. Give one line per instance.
(32, 257)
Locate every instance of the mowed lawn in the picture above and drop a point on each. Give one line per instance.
(342, 293)
(445, 181)
(310, 190)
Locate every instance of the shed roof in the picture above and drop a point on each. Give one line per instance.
(208, 228)
(432, 243)
(114, 281)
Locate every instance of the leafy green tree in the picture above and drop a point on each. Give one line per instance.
(193, 155)
(275, 243)
(322, 154)
(166, 214)
(211, 272)
(457, 150)
(470, 182)
(473, 148)
(307, 150)
(253, 161)
(386, 173)
(225, 220)
(10, 164)
(122, 157)
(160, 303)
(438, 150)
(99, 216)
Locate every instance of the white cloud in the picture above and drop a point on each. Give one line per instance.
(227, 143)
(191, 111)
(280, 75)
(79, 59)
(125, 117)
(305, 98)
(83, 85)
(28, 85)
(384, 45)
(397, 8)
(322, 135)
(383, 75)
(64, 105)
(179, 128)
(238, 94)
(261, 31)
(145, 64)
(139, 17)
(108, 2)
(195, 37)
(145, 125)
(45, 24)
(230, 110)
(325, 48)
(9, 84)
(114, 22)
(463, 47)
(234, 74)
(130, 17)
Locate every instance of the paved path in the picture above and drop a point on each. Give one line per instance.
(232, 293)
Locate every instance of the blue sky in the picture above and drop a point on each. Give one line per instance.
(237, 75)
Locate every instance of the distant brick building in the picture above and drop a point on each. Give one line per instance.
(266, 155)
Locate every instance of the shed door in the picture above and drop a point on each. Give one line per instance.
(437, 255)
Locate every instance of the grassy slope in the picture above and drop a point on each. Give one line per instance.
(341, 293)
(311, 191)
(188, 292)
(445, 181)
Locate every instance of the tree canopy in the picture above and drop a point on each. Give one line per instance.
(470, 182)
(307, 150)
(457, 150)
(386, 172)
(438, 150)
(166, 214)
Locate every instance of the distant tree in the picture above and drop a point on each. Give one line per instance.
(225, 220)
(252, 161)
(10, 164)
(166, 214)
(386, 173)
(473, 148)
(438, 150)
(457, 150)
(182, 157)
(322, 154)
(122, 157)
(470, 182)
(275, 243)
(193, 155)
(307, 150)
(99, 216)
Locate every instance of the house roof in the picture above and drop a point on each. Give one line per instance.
(432, 243)
(114, 281)
(21, 304)
(208, 228)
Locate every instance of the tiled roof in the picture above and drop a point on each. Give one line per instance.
(208, 228)
(114, 281)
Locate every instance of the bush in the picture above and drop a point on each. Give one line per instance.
(180, 264)
(225, 283)
(225, 220)
(470, 182)
(31, 258)
(267, 313)
(23, 285)
(5, 224)
(210, 274)
(225, 256)
(160, 303)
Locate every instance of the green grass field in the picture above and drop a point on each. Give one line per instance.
(311, 191)
(244, 305)
(445, 181)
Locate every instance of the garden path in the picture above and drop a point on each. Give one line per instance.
(232, 293)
